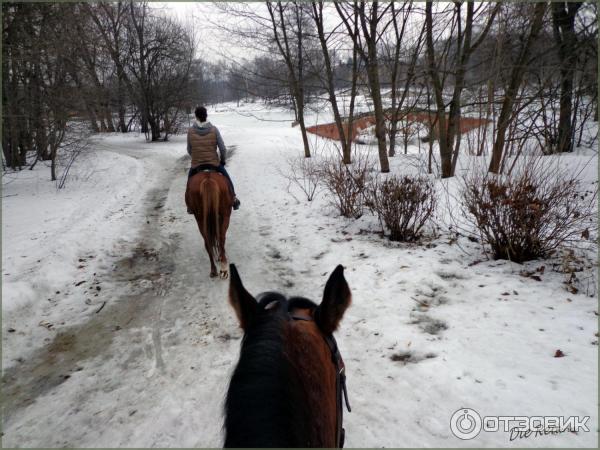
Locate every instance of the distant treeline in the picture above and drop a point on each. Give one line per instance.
(529, 68)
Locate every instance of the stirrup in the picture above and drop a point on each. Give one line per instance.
(236, 204)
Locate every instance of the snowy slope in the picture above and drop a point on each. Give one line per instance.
(432, 328)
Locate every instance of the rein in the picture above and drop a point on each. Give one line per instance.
(340, 382)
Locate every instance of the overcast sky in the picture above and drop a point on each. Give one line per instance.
(212, 44)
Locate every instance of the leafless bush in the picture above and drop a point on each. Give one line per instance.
(304, 173)
(347, 183)
(76, 141)
(529, 213)
(404, 205)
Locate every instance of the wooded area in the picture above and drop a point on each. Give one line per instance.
(529, 70)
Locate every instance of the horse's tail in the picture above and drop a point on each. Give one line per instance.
(210, 214)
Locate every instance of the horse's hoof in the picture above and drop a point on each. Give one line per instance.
(213, 274)
(224, 274)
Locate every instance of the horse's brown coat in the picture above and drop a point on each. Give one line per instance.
(309, 354)
(208, 196)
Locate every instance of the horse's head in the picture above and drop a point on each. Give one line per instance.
(287, 387)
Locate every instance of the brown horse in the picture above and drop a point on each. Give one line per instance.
(208, 196)
(287, 388)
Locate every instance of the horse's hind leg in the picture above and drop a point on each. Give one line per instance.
(224, 273)
(213, 267)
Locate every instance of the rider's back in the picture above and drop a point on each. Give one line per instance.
(202, 144)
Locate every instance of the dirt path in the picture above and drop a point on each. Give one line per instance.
(159, 310)
(149, 365)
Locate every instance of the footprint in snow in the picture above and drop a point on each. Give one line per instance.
(411, 357)
(429, 325)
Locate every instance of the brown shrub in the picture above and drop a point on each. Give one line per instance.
(404, 205)
(347, 183)
(530, 213)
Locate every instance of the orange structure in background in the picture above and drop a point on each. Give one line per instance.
(330, 131)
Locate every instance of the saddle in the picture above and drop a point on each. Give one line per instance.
(203, 168)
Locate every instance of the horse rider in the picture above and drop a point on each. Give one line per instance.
(203, 139)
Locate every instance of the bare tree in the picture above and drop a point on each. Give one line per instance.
(293, 57)
(449, 125)
(563, 21)
(317, 15)
(160, 58)
(110, 20)
(372, 25)
(396, 59)
(37, 89)
(516, 78)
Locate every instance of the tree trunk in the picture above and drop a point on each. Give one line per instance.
(300, 81)
(318, 18)
(563, 19)
(53, 166)
(110, 127)
(303, 127)
(398, 103)
(448, 131)
(121, 104)
(488, 113)
(511, 92)
(369, 56)
(296, 81)
(154, 128)
(92, 119)
(353, 89)
(393, 131)
(373, 78)
(445, 153)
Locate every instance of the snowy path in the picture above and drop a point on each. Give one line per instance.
(134, 358)
(427, 333)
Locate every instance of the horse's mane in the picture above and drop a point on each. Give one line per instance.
(265, 405)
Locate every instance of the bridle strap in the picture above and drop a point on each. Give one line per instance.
(340, 382)
(341, 391)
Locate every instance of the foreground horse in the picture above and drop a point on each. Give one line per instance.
(208, 196)
(286, 390)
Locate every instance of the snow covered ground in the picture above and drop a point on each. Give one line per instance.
(113, 334)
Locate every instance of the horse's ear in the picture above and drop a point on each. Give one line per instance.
(336, 298)
(242, 301)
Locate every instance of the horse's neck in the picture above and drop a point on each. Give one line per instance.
(265, 405)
